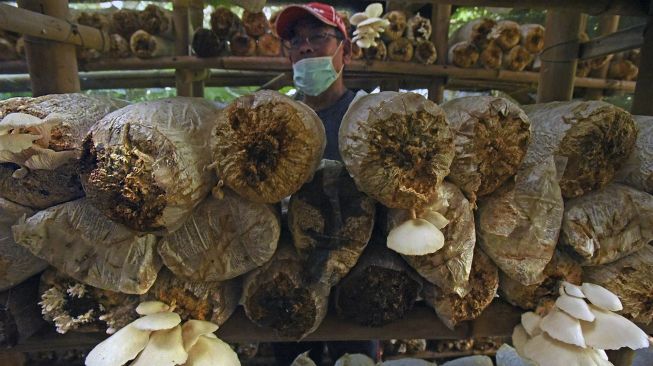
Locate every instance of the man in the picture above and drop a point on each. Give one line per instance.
(318, 45)
(317, 41)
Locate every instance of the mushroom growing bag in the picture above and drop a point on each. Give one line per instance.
(40, 142)
(397, 147)
(637, 171)
(146, 165)
(222, 239)
(491, 138)
(594, 138)
(18, 264)
(449, 267)
(331, 222)
(82, 243)
(518, 225)
(266, 145)
(609, 224)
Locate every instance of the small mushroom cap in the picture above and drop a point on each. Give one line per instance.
(563, 327)
(15, 143)
(519, 337)
(193, 329)
(357, 18)
(165, 348)
(374, 10)
(355, 359)
(157, 321)
(151, 307)
(546, 351)
(211, 352)
(575, 307)
(303, 360)
(118, 349)
(407, 362)
(434, 217)
(612, 331)
(531, 323)
(571, 289)
(601, 297)
(415, 237)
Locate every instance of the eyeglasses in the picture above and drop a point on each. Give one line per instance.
(315, 41)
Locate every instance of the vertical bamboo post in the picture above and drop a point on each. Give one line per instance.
(440, 17)
(52, 65)
(183, 77)
(607, 24)
(196, 22)
(559, 57)
(643, 101)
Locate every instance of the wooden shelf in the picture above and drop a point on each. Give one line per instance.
(498, 320)
(361, 71)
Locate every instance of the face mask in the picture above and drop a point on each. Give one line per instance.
(312, 76)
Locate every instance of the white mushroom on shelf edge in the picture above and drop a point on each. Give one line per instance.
(159, 338)
(577, 329)
(369, 25)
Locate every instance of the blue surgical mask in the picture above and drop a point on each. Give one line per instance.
(312, 76)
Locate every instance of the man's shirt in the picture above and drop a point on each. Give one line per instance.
(332, 117)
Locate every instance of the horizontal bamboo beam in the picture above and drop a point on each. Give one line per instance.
(623, 40)
(591, 7)
(353, 79)
(54, 29)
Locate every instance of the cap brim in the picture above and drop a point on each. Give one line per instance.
(291, 15)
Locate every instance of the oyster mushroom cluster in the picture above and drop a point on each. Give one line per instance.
(159, 338)
(369, 25)
(577, 329)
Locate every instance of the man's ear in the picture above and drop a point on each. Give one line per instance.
(346, 52)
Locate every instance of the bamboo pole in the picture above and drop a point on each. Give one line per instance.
(644, 89)
(355, 68)
(440, 23)
(196, 10)
(559, 57)
(592, 7)
(36, 24)
(52, 65)
(184, 81)
(353, 79)
(607, 24)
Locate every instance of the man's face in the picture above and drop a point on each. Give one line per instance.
(325, 43)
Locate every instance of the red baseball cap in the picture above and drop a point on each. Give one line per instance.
(325, 13)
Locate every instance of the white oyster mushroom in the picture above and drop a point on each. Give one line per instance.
(209, 351)
(434, 217)
(121, 347)
(193, 329)
(612, 331)
(24, 141)
(303, 360)
(158, 339)
(415, 237)
(546, 351)
(476, 360)
(572, 290)
(406, 362)
(165, 348)
(563, 327)
(157, 321)
(508, 356)
(575, 307)
(531, 323)
(601, 297)
(355, 359)
(519, 338)
(151, 307)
